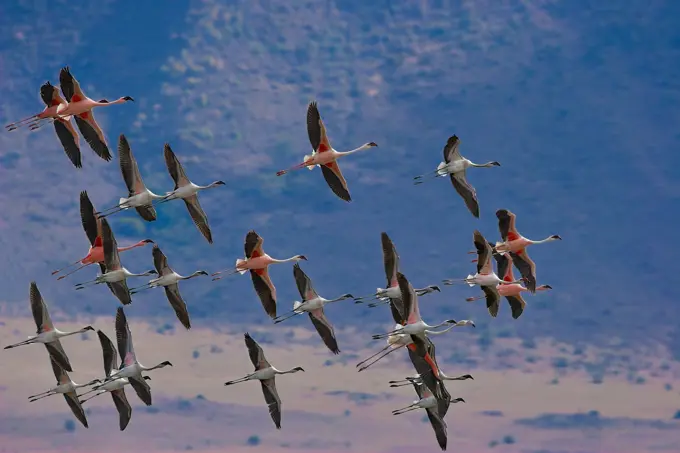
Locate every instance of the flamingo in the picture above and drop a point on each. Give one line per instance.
(391, 264)
(324, 156)
(512, 292)
(62, 126)
(414, 325)
(257, 262)
(426, 400)
(92, 227)
(313, 304)
(66, 387)
(117, 387)
(80, 107)
(425, 362)
(485, 277)
(49, 113)
(426, 375)
(188, 191)
(130, 367)
(383, 300)
(115, 275)
(455, 165)
(399, 340)
(418, 378)
(516, 244)
(169, 280)
(266, 374)
(139, 197)
(47, 334)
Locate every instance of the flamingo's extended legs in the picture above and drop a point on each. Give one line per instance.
(142, 288)
(33, 119)
(288, 315)
(229, 271)
(380, 302)
(22, 343)
(420, 179)
(363, 365)
(236, 381)
(294, 167)
(450, 281)
(44, 395)
(72, 272)
(40, 123)
(96, 394)
(403, 410)
(87, 283)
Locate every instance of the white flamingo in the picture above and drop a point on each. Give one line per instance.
(413, 323)
(266, 374)
(391, 264)
(169, 280)
(455, 165)
(115, 387)
(313, 304)
(130, 366)
(65, 386)
(47, 334)
(139, 197)
(427, 400)
(187, 191)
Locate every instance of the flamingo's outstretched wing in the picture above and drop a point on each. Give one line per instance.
(335, 180)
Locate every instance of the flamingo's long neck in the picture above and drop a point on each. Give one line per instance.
(210, 186)
(488, 164)
(439, 325)
(66, 334)
(130, 247)
(143, 368)
(347, 153)
(548, 239)
(287, 260)
(338, 299)
(100, 104)
(439, 332)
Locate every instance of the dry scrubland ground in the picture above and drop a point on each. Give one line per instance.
(331, 407)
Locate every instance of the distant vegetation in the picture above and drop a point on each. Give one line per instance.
(592, 420)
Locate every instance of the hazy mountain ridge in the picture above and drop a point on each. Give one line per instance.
(552, 91)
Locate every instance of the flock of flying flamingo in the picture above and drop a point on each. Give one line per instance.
(410, 331)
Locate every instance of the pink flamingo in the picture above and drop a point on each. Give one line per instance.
(80, 107)
(257, 262)
(485, 277)
(512, 291)
(516, 244)
(62, 125)
(93, 230)
(324, 156)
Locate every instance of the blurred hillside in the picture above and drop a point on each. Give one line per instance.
(577, 100)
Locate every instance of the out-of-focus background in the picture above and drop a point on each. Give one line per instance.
(578, 100)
